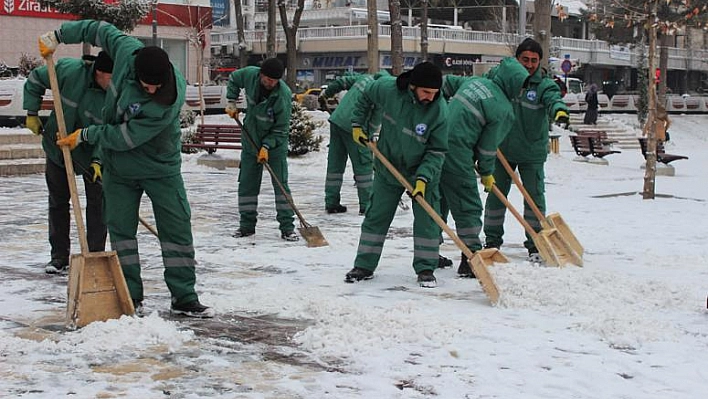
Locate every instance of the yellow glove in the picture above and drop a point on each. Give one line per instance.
(263, 155)
(95, 171)
(33, 123)
(488, 181)
(562, 118)
(71, 140)
(419, 188)
(359, 136)
(48, 42)
(231, 109)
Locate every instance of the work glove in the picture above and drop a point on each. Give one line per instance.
(488, 181)
(48, 42)
(562, 119)
(72, 140)
(263, 155)
(419, 188)
(33, 123)
(359, 136)
(96, 171)
(231, 109)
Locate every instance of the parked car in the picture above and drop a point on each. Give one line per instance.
(300, 97)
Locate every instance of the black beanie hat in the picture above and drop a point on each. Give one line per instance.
(272, 68)
(103, 63)
(152, 64)
(529, 45)
(426, 74)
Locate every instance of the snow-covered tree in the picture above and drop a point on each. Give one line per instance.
(124, 14)
(302, 138)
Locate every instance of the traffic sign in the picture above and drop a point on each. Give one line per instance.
(566, 66)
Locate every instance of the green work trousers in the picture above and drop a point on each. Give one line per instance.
(532, 177)
(249, 186)
(342, 146)
(460, 196)
(121, 199)
(382, 208)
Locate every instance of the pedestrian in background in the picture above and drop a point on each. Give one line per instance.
(593, 105)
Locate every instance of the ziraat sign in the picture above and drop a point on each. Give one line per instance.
(167, 15)
(29, 8)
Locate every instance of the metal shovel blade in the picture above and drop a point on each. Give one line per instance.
(313, 236)
(556, 220)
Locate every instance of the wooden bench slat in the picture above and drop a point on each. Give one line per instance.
(661, 155)
(212, 137)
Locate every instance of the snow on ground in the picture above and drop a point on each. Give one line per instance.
(630, 324)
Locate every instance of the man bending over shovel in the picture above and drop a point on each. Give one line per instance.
(480, 116)
(141, 154)
(413, 138)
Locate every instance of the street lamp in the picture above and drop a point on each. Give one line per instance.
(154, 22)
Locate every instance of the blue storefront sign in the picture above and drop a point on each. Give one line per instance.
(220, 12)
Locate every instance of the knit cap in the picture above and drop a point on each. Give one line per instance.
(426, 74)
(272, 68)
(152, 64)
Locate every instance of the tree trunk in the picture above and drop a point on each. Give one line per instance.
(372, 34)
(270, 33)
(394, 8)
(424, 32)
(663, 66)
(291, 40)
(650, 126)
(542, 28)
(242, 47)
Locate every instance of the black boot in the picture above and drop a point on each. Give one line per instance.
(339, 208)
(358, 274)
(464, 270)
(443, 262)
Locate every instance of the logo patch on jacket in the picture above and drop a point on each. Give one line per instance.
(270, 113)
(420, 129)
(531, 95)
(134, 108)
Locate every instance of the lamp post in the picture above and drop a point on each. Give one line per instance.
(154, 22)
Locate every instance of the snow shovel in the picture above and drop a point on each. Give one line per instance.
(96, 289)
(547, 223)
(310, 233)
(554, 250)
(479, 260)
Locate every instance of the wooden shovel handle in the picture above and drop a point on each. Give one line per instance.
(421, 201)
(539, 215)
(68, 164)
(288, 197)
(513, 210)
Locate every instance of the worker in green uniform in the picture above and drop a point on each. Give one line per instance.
(526, 147)
(140, 143)
(480, 115)
(82, 84)
(413, 137)
(267, 123)
(341, 145)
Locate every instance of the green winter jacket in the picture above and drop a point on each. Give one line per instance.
(355, 84)
(413, 136)
(481, 115)
(528, 140)
(452, 83)
(82, 102)
(141, 138)
(267, 119)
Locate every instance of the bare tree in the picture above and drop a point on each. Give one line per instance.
(270, 30)
(240, 31)
(372, 36)
(424, 31)
(291, 39)
(394, 9)
(542, 27)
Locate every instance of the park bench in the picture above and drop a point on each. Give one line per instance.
(213, 137)
(591, 144)
(661, 155)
